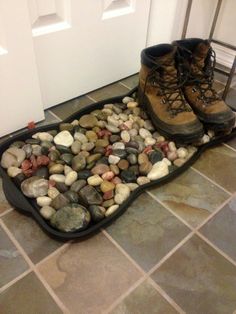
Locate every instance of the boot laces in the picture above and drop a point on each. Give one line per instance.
(170, 88)
(203, 77)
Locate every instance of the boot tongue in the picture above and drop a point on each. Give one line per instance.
(167, 63)
(200, 54)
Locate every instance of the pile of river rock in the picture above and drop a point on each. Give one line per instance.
(82, 172)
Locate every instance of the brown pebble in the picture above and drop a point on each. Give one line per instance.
(145, 168)
(142, 158)
(123, 164)
(115, 169)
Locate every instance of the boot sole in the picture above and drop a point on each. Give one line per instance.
(161, 127)
(219, 128)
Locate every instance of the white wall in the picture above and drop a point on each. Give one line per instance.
(167, 17)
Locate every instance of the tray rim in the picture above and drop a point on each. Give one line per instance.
(26, 206)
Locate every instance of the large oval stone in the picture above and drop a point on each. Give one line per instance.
(90, 195)
(34, 187)
(64, 138)
(73, 217)
(12, 157)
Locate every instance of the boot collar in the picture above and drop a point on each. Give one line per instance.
(157, 54)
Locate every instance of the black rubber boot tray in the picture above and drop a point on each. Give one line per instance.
(29, 206)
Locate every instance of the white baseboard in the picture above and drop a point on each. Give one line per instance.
(224, 56)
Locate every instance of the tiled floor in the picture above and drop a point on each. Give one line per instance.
(172, 251)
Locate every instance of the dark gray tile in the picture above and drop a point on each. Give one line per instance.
(12, 263)
(231, 98)
(144, 300)
(4, 205)
(109, 91)
(34, 241)
(221, 229)
(199, 279)
(27, 296)
(68, 108)
(147, 231)
(191, 196)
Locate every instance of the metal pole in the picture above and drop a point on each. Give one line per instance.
(231, 74)
(186, 19)
(213, 25)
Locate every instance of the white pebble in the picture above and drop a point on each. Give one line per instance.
(142, 180)
(182, 152)
(125, 136)
(43, 136)
(64, 138)
(67, 169)
(144, 133)
(118, 145)
(111, 210)
(13, 171)
(172, 146)
(71, 177)
(149, 141)
(211, 133)
(133, 132)
(112, 159)
(160, 139)
(127, 99)
(132, 186)
(58, 178)
(111, 120)
(43, 201)
(75, 122)
(205, 139)
(159, 170)
(123, 117)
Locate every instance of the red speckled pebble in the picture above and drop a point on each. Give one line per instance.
(26, 164)
(108, 195)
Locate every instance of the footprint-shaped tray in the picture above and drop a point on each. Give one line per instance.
(29, 206)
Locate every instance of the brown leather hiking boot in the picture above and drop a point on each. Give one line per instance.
(160, 93)
(198, 90)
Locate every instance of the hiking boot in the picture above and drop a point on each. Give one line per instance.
(160, 93)
(198, 89)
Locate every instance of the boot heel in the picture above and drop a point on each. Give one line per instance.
(141, 99)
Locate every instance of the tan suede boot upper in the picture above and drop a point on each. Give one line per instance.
(159, 90)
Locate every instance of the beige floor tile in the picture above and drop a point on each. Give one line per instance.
(109, 91)
(144, 299)
(147, 231)
(12, 263)
(27, 296)
(221, 229)
(89, 276)
(199, 279)
(70, 107)
(191, 196)
(131, 81)
(219, 164)
(34, 241)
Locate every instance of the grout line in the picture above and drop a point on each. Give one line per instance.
(172, 251)
(125, 294)
(62, 247)
(10, 283)
(121, 83)
(221, 206)
(145, 274)
(32, 267)
(91, 98)
(167, 297)
(226, 256)
(123, 251)
(170, 210)
(53, 114)
(6, 212)
(213, 182)
(230, 147)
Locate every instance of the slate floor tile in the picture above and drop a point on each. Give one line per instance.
(221, 229)
(89, 276)
(12, 263)
(27, 296)
(33, 240)
(147, 231)
(219, 164)
(199, 279)
(191, 196)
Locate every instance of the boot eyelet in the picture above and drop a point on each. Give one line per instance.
(163, 101)
(194, 90)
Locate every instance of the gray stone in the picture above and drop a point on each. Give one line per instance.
(34, 187)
